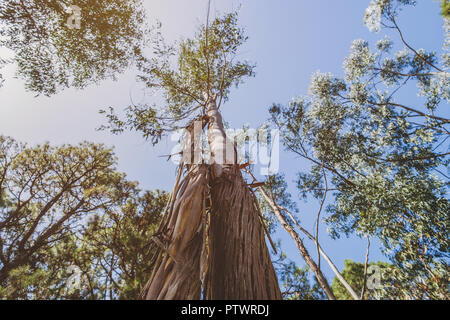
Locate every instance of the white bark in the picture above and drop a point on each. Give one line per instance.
(222, 149)
(329, 261)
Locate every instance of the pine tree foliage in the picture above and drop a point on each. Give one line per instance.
(66, 213)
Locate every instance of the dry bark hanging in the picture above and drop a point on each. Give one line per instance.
(230, 259)
(179, 239)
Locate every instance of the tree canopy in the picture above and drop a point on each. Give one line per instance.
(181, 73)
(383, 158)
(51, 56)
(67, 209)
(73, 227)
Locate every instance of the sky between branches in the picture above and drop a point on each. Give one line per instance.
(288, 39)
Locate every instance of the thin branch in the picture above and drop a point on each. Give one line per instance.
(318, 214)
(444, 120)
(418, 75)
(411, 48)
(366, 263)
(433, 156)
(446, 176)
(206, 49)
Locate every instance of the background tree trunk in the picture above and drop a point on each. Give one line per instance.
(323, 282)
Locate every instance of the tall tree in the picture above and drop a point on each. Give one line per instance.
(211, 242)
(67, 209)
(383, 158)
(54, 51)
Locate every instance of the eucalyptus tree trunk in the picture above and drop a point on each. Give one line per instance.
(239, 266)
(212, 235)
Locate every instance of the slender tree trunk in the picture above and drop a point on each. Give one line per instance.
(366, 264)
(303, 251)
(326, 257)
(329, 261)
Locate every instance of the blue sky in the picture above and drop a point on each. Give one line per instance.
(288, 40)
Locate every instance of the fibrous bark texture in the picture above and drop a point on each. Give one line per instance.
(211, 242)
(176, 273)
(240, 266)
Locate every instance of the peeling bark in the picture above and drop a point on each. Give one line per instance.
(176, 273)
(228, 256)
(240, 264)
